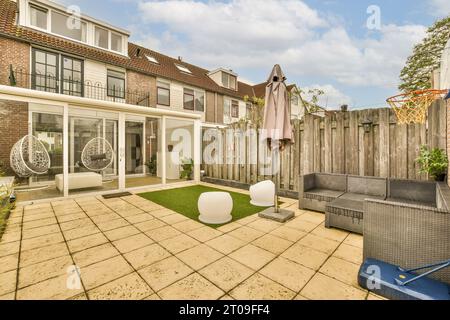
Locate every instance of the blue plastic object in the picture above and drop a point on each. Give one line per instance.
(447, 96)
(395, 283)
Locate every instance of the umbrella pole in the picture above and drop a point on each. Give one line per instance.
(275, 173)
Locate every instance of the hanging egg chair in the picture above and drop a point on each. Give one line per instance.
(97, 155)
(29, 157)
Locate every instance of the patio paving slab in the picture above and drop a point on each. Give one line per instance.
(342, 270)
(43, 270)
(163, 273)
(272, 243)
(288, 273)
(322, 287)
(94, 254)
(51, 289)
(8, 282)
(204, 234)
(252, 256)
(132, 243)
(349, 253)
(226, 273)
(258, 287)
(246, 234)
(105, 271)
(146, 256)
(9, 248)
(30, 257)
(8, 263)
(305, 256)
(226, 244)
(199, 256)
(87, 242)
(193, 287)
(130, 287)
(179, 243)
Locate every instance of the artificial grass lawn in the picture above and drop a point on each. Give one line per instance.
(184, 201)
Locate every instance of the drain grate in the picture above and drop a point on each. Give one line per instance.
(116, 195)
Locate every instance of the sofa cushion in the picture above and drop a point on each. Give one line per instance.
(367, 185)
(329, 181)
(359, 197)
(411, 190)
(322, 194)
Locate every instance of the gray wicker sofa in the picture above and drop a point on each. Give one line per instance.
(406, 234)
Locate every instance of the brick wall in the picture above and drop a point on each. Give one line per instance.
(13, 126)
(15, 53)
(142, 83)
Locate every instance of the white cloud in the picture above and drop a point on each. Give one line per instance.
(332, 97)
(255, 34)
(440, 8)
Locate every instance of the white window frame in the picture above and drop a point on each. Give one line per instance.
(183, 69)
(196, 92)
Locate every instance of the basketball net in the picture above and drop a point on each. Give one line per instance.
(412, 107)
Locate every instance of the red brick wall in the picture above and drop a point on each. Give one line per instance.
(13, 126)
(142, 83)
(18, 55)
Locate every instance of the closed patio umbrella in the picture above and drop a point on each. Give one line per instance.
(277, 124)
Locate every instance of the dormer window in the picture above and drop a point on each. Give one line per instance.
(183, 68)
(228, 81)
(75, 29)
(57, 20)
(151, 59)
(38, 17)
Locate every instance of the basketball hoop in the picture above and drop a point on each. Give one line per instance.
(412, 107)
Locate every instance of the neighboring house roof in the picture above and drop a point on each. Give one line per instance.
(166, 68)
(260, 89)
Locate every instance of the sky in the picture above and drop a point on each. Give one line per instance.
(353, 50)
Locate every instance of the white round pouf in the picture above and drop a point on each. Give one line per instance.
(215, 207)
(263, 194)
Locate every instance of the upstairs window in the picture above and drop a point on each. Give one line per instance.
(116, 84)
(163, 97)
(38, 17)
(101, 38)
(183, 69)
(188, 100)
(294, 100)
(194, 100)
(69, 27)
(228, 81)
(234, 109)
(116, 42)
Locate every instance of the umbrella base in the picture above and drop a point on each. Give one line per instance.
(281, 216)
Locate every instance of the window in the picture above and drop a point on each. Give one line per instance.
(163, 96)
(228, 81)
(235, 109)
(183, 68)
(116, 84)
(72, 76)
(294, 100)
(45, 71)
(199, 101)
(38, 17)
(194, 100)
(227, 108)
(69, 27)
(151, 59)
(101, 38)
(116, 42)
(188, 99)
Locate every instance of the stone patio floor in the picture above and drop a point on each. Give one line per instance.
(131, 248)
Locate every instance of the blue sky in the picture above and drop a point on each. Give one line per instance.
(319, 44)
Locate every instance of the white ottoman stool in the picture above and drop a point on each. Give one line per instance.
(215, 207)
(263, 194)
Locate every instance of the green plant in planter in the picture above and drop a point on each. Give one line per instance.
(152, 165)
(187, 166)
(434, 162)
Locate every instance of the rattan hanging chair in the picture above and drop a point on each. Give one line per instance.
(97, 155)
(29, 157)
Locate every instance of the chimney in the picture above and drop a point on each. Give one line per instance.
(138, 52)
(180, 58)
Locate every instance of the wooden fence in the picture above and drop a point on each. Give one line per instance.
(363, 142)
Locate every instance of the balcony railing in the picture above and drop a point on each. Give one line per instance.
(86, 89)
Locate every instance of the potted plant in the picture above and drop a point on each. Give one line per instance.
(187, 166)
(434, 162)
(152, 165)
